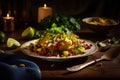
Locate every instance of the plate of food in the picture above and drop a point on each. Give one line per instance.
(59, 47)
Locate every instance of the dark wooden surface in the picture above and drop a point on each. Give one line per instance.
(57, 70)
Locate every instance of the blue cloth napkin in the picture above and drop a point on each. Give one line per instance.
(15, 67)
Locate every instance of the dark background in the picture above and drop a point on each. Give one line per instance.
(25, 11)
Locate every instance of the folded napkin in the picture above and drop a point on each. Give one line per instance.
(15, 67)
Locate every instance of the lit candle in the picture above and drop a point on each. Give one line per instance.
(8, 23)
(8, 17)
(44, 12)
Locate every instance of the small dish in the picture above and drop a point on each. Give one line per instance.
(100, 24)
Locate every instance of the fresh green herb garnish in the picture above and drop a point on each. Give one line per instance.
(59, 23)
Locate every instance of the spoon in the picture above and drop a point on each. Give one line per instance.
(106, 44)
(108, 55)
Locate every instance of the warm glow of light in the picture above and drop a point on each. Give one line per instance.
(7, 15)
(45, 5)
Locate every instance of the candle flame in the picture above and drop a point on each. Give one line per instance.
(45, 5)
(7, 15)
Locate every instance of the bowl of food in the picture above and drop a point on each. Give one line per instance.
(100, 24)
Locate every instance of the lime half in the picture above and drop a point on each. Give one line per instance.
(28, 33)
(12, 43)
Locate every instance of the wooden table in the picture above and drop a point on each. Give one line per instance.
(55, 70)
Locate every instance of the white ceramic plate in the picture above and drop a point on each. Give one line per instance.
(91, 51)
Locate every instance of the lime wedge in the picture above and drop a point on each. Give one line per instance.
(12, 43)
(28, 33)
